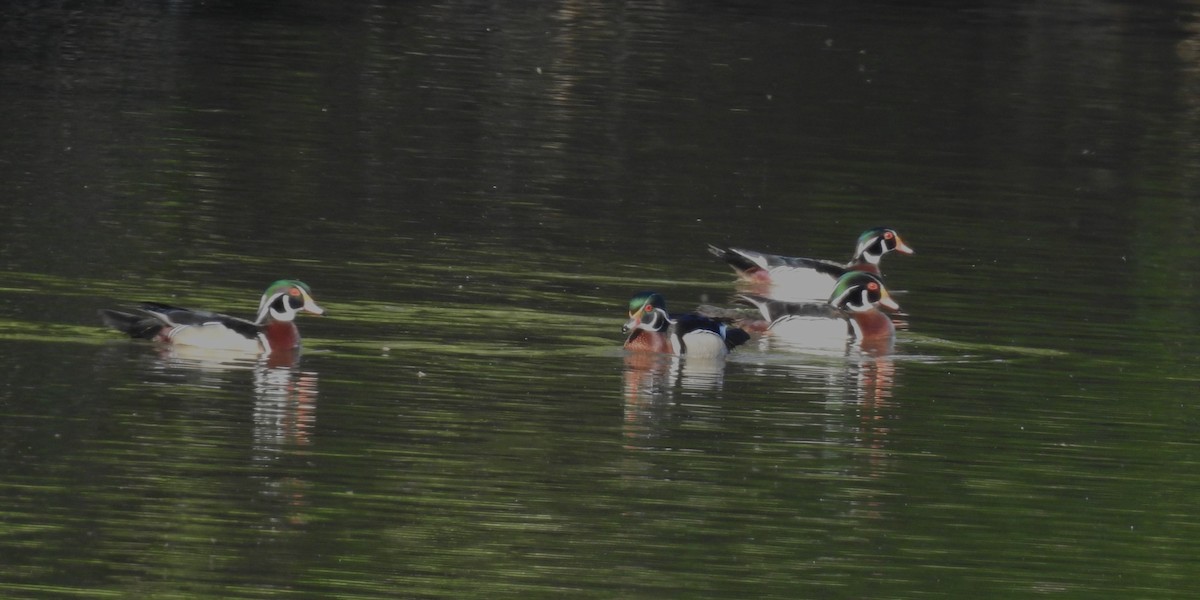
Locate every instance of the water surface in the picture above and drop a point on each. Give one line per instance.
(474, 190)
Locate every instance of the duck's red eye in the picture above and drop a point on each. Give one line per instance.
(648, 308)
(887, 235)
(295, 292)
(873, 286)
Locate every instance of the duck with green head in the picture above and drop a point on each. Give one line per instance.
(273, 329)
(796, 279)
(851, 316)
(651, 328)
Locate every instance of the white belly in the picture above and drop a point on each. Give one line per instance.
(703, 344)
(213, 336)
(800, 285)
(809, 334)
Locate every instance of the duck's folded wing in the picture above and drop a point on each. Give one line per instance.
(773, 310)
(175, 315)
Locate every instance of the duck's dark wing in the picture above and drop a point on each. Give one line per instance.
(828, 267)
(728, 314)
(684, 324)
(749, 261)
(735, 258)
(141, 326)
(735, 337)
(182, 316)
(773, 310)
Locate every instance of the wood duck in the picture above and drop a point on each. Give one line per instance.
(652, 329)
(795, 279)
(273, 329)
(851, 315)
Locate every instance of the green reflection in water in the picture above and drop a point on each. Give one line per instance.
(530, 326)
(50, 332)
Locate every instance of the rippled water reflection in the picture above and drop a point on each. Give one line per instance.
(473, 191)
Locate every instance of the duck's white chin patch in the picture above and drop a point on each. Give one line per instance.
(285, 316)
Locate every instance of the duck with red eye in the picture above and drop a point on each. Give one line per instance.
(850, 317)
(795, 279)
(274, 329)
(652, 329)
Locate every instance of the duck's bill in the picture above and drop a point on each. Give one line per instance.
(312, 307)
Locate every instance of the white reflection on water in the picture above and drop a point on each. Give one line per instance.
(285, 396)
(285, 415)
(654, 383)
(859, 386)
(284, 412)
(285, 404)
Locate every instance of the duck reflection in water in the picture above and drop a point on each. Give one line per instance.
(285, 396)
(655, 386)
(649, 375)
(284, 412)
(285, 416)
(854, 416)
(839, 411)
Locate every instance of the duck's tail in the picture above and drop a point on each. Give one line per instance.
(135, 326)
(743, 318)
(735, 336)
(739, 261)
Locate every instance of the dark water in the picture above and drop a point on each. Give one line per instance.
(474, 189)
